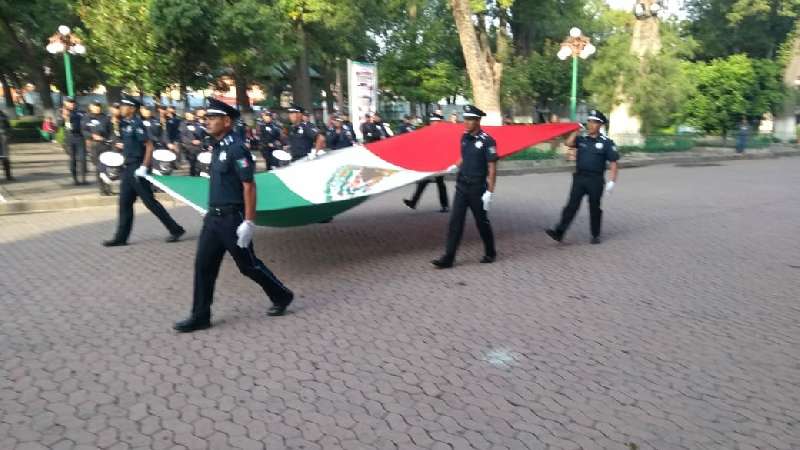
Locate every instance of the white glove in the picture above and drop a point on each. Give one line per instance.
(452, 169)
(311, 155)
(486, 198)
(141, 171)
(245, 233)
(610, 186)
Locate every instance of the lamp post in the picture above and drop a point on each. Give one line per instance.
(64, 42)
(576, 45)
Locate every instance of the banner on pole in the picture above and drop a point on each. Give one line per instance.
(362, 88)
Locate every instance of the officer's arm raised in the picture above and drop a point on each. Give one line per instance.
(570, 142)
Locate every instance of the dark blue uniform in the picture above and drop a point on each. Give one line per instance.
(191, 131)
(477, 151)
(407, 127)
(174, 129)
(591, 156)
(155, 131)
(374, 132)
(341, 138)
(97, 125)
(76, 147)
(301, 139)
(134, 136)
(269, 140)
(231, 165)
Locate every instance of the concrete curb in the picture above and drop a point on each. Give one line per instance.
(507, 168)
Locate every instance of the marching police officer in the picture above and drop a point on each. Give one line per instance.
(593, 151)
(154, 129)
(73, 140)
(96, 128)
(173, 132)
(192, 135)
(137, 148)
(228, 224)
(421, 185)
(338, 136)
(407, 126)
(348, 125)
(474, 187)
(269, 137)
(375, 130)
(5, 126)
(304, 138)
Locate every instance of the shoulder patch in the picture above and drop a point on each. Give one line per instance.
(243, 163)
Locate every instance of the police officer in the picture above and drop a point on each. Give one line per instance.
(192, 135)
(375, 130)
(269, 137)
(173, 132)
(137, 148)
(228, 224)
(436, 116)
(348, 125)
(593, 151)
(338, 136)
(96, 128)
(421, 185)
(154, 128)
(474, 187)
(407, 126)
(73, 140)
(5, 126)
(304, 138)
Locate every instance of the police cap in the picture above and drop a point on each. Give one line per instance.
(295, 109)
(473, 112)
(597, 116)
(220, 108)
(436, 117)
(130, 101)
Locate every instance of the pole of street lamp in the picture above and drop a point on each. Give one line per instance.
(573, 99)
(68, 71)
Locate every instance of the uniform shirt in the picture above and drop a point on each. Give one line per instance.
(374, 132)
(336, 139)
(96, 124)
(75, 119)
(301, 139)
(231, 165)
(134, 135)
(593, 152)
(349, 127)
(269, 133)
(477, 151)
(405, 128)
(191, 131)
(174, 129)
(154, 129)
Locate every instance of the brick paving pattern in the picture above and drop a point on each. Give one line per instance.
(681, 331)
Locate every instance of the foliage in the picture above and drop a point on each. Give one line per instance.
(731, 88)
(533, 154)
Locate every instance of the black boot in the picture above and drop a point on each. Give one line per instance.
(279, 308)
(556, 235)
(192, 324)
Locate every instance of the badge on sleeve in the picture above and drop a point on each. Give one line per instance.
(243, 163)
(223, 156)
(493, 150)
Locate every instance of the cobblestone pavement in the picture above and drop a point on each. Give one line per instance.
(681, 331)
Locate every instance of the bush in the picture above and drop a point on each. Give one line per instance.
(662, 144)
(60, 136)
(533, 154)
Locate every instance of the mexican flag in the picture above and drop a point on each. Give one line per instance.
(309, 191)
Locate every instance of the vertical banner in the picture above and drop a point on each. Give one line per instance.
(362, 89)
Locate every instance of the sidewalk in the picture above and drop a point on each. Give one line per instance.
(43, 181)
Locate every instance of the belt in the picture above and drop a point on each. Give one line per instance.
(471, 178)
(586, 172)
(226, 210)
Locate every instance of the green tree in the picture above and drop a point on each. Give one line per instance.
(122, 40)
(721, 93)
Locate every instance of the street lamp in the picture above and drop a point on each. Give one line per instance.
(576, 45)
(64, 42)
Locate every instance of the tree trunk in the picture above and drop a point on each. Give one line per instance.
(338, 88)
(113, 93)
(242, 99)
(485, 71)
(301, 88)
(184, 97)
(9, 97)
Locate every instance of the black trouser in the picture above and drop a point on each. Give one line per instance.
(191, 152)
(266, 153)
(468, 195)
(130, 188)
(77, 158)
(95, 149)
(584, 183)
(424, 183)
(217, 237)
